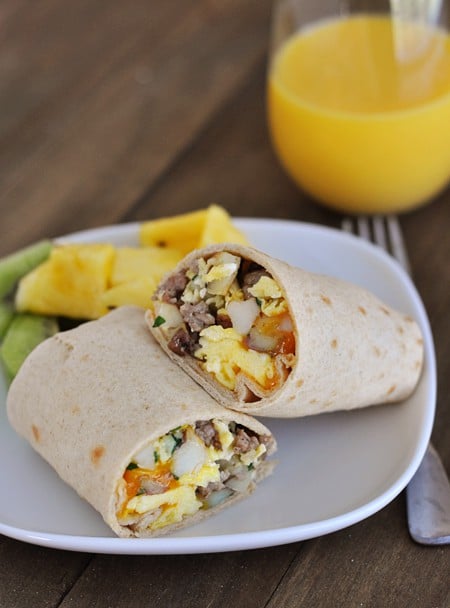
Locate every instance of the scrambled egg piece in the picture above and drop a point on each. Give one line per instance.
(208, 473)
(143, 504)
(223, 353)
(178, 502)
(221, 271)
(270, 296)
(225, 438)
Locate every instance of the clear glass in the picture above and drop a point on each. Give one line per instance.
(358, 99)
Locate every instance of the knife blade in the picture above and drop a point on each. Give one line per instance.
(428, 502)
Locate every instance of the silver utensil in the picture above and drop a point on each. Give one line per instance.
(428, 492)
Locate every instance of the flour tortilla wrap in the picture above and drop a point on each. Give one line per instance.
(351, 350)
(90, 399)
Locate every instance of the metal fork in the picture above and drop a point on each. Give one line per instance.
(428, 492)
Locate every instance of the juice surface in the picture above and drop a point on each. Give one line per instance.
(359, 112)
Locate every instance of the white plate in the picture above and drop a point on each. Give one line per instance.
(333, 470)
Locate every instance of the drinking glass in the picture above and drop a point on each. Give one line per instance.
(358, 98)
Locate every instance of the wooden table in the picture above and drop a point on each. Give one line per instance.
(113, 112)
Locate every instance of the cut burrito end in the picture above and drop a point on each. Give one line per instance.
(137, 438)
(267, 338)
(232, 316)
(189, 470)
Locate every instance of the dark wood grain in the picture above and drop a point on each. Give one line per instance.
(204, 581)
(113, 95)
(113, 111)
(35, 576)
(357, 567)
(426, 233)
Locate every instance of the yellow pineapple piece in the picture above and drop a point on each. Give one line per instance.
(133, 263)
(191, 230)
(84, 281)
(181, 232)
(138, 292)
(219, 228)
(70, 283)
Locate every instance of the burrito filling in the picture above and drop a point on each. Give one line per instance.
(232, 316)
(190, 468)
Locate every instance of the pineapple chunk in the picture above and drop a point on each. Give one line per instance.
(181, 232)
(138, 292)
(191, 230)
(219, 228)
(147, 262)
(70, 283)
(84, 281)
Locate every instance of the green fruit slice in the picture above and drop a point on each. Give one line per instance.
(16, 265)
(24, 333)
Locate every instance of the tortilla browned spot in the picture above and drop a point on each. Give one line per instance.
(36, 432)
(97, 453)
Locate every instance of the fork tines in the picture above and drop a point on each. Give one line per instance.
(384, 230)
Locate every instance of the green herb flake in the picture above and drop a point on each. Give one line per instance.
(178, 441)
(259, 302)
(159, 321)
(250, 467)
(132, 466)
(155, 456)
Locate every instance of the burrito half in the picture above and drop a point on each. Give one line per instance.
(266, 338)
(132, 433)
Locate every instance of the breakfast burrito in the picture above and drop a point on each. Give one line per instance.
(130, 432)
(266, 338)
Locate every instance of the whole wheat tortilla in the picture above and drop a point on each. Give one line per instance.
(352, 350)
(89, 398)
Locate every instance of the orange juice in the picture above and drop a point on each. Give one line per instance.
(359, 112)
